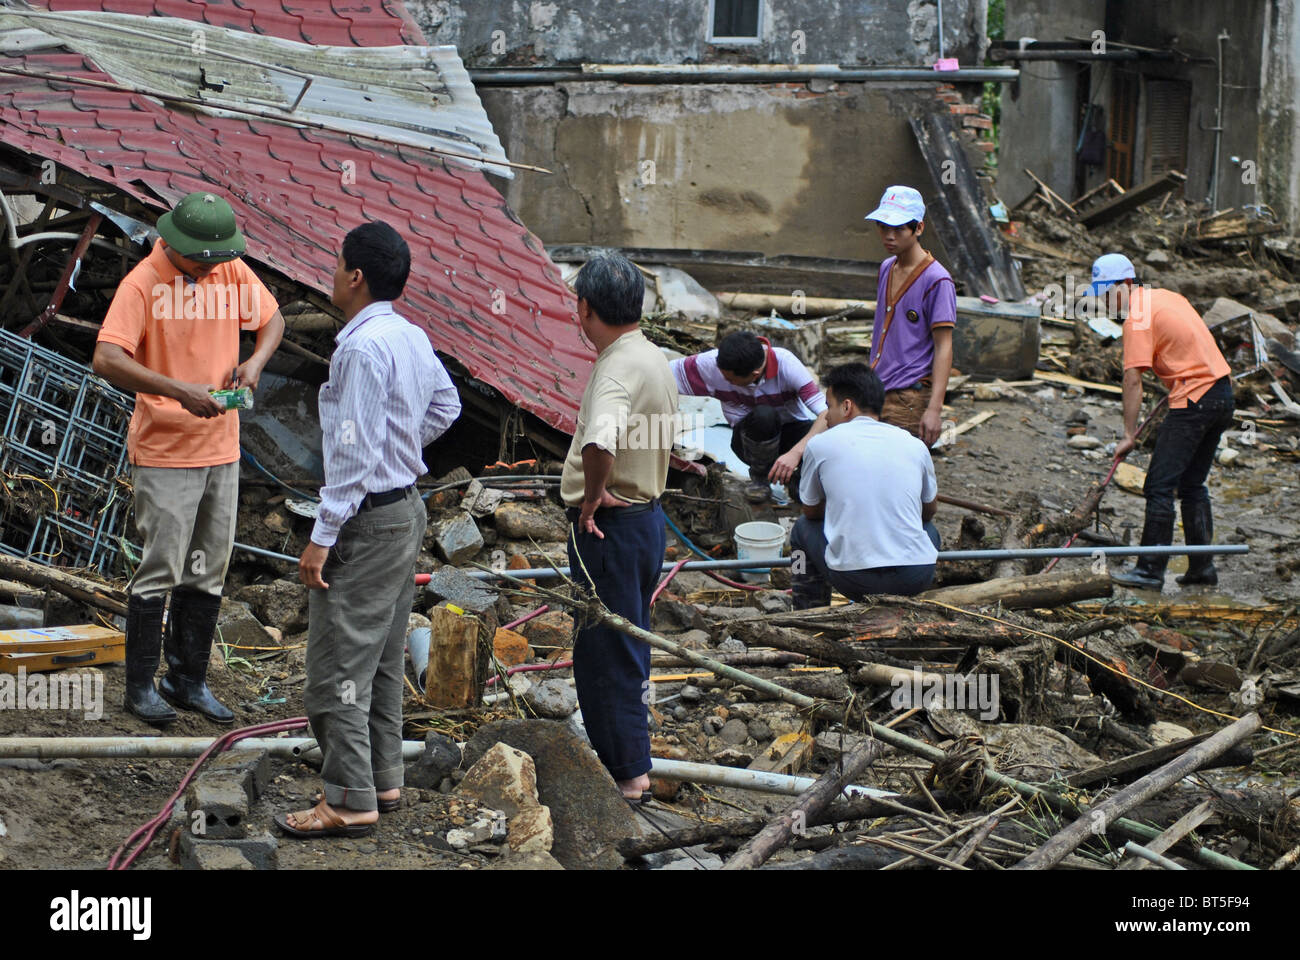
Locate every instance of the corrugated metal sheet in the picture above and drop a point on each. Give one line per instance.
(481, 285)
(415, 95)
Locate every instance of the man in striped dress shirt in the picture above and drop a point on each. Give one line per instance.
(387, 398)
(770, 400)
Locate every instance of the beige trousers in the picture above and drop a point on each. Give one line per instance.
(186, 516)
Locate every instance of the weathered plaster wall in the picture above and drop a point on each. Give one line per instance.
(1038, 123)
(507, 32)
(1279, 118)
(775, 168)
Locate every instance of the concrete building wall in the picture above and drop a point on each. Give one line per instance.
(1038, 128)
(540, 32)
(1192, 26)
(777, 169)
(1279, 118)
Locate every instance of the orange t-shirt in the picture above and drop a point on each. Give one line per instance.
(190, 332)
(1164, 332)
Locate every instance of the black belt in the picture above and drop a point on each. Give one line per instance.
(385, 498)
(632, 509)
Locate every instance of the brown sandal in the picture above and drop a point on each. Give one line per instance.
(320, 822)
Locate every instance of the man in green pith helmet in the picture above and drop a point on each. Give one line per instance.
(172, 336)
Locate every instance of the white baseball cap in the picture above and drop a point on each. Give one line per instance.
(1109, 269)
(898, 205)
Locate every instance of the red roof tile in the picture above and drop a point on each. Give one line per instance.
(286, 186)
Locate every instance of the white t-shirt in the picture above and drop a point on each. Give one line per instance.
(874, 478)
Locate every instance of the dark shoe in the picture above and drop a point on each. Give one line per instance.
(1149, 572)
(1198, 530)
(143, 638)
(758, 491)
(190, 627)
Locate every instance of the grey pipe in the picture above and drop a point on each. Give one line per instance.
(724, 73)
(543, 573)
(417, 642)
(1140, 851)
(289, 748)
(1036, 553)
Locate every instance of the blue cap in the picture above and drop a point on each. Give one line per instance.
(1109, 269)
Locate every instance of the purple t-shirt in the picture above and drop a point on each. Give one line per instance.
(902, 347)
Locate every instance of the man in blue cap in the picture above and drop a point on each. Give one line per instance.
(1164, 333)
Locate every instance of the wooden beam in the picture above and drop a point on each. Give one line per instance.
(1134, 198)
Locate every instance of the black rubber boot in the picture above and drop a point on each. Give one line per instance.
(1198, 530)
(143, 639)
(1149, 572)
(191, 626)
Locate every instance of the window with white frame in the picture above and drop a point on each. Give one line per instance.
(735, 21)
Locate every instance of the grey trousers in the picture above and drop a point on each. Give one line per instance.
(355, 651)
(186, 516)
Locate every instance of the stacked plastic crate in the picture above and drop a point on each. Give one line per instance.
(63, 429)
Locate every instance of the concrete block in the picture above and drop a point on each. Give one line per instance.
(220, 857)
(252, 769)
(458, 539)
(260, 850)
(223, 803)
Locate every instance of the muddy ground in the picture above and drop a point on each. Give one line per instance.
(74, 813)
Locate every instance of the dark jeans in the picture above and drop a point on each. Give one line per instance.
(812, 580)
(610, 669)
(760, 437)
(1184, 452)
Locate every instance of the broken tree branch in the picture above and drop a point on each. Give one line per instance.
(81, 589)
(777, 834)
(1039, 590)
(1098, 818)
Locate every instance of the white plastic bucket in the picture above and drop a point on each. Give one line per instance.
(758, 540)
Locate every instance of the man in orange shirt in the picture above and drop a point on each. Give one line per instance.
(1164, 333)
(172, 335)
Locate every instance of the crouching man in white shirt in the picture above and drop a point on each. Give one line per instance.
(869, 492)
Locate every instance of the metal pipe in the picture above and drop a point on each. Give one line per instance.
(1140, 851)
(743, 779)
(543, 573)
(732, 73)
(50, 748)
(1218, 132)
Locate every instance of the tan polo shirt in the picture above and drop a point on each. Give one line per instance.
(629, 409)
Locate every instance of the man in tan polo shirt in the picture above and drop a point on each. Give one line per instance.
(615, 472)
(172, 335)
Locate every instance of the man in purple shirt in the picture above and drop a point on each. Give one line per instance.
(387, 398)
(916, 308)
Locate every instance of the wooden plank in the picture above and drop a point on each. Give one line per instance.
(957, 209)
(1052, 195)
(1134, 198)
(1038, 590)
(974, 422)
(1182, 827)
(452, 678)
(786, 754)
(1064, 378)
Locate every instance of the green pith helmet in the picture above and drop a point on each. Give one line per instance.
(202, 228)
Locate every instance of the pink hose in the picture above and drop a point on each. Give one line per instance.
(150, 829)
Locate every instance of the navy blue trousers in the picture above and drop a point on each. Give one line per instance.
(610, 669)
(813, 581)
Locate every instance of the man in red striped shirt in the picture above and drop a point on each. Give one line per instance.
(770, 400)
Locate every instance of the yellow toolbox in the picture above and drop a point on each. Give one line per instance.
(57, 648)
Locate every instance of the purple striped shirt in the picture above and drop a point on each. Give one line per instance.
(387, 398)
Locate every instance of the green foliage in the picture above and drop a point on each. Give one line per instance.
(991, 100)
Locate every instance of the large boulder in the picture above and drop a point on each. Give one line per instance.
(280, 603)
(588, 812)
(541, 521)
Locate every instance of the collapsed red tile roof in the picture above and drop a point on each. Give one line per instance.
(294, 202)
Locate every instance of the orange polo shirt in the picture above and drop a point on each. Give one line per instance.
(1163, 332)
(190, 332)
